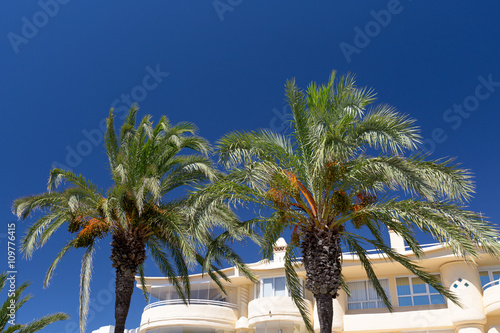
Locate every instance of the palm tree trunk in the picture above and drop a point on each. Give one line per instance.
(324, 304)
(124, 289)
(127, 254)
(322, 261)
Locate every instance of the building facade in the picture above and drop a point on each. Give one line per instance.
(111, 329)
(265, 307)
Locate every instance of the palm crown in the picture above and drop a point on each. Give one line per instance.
(146, 165)
(342, 169)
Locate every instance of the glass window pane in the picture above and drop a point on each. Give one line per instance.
(268, 288)
(168, 293)
(175, 329)
(154, 295)
(372, 293)
(203, 290)
(496, 275)
(354, 306)
(405, 301)
(385, 284)
(485, 278)
(215, 294)
(279, 286)
(419, 286)
(421, 300)
(403, 286)
(433, 290)
(363, 291)
(174, 294)
(160, 293)
(437, 299)
(357, 290)
(369, 305)
(195, 287)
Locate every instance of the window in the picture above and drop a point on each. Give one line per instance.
(270, 287)
(199, 291)
(364, 296)
(414, 291)
(187, 329)
(489, 276)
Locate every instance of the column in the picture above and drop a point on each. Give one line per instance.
(462, 279)
(242, 323)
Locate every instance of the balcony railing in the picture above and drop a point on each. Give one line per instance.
(191, 302)
(378, 251)
(491, 284)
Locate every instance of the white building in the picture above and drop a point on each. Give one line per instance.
(111, 329)
(266, 307)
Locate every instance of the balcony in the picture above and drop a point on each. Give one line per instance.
(491, 298)
(191, 302)
(208, 307)
(273, 309)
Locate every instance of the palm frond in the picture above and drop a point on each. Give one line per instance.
(385, 129)
(127, 129)
(143, 282)
(111, 141)
(85, 277)
(38, 324)
(295, 286)
(50, 271)
(161, 260)
(354, 246)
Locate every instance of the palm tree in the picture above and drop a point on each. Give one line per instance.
(147, 164)
(344, 169)
(14, 301)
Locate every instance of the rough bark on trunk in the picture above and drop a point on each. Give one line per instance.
(127, 254)
(322, 262)
(124, 289)
(324, 304)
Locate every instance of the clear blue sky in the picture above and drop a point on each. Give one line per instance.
(223, 67)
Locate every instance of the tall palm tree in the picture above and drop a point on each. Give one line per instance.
(147, 163)
(346, 166)
(16, 300)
